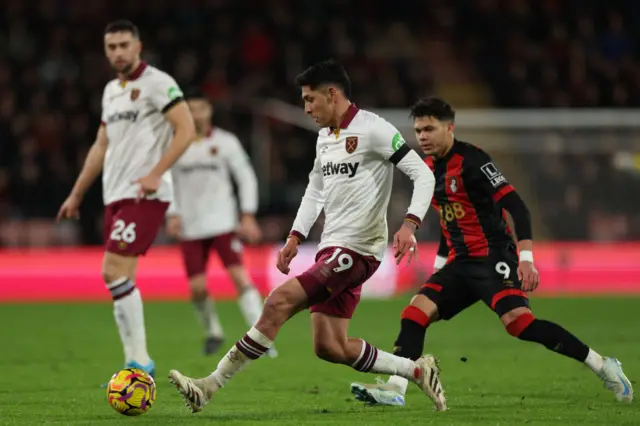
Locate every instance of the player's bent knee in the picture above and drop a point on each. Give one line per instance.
(330, 351)
(198, 284)
(115, 266)
(239, 277)
(517, 320)
(283, 302)
(426, 306)
(276, 303)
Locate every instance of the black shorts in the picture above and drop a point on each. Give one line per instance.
(461, 283)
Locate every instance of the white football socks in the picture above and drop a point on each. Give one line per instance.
(594, 361)
(400, 382)
(374, 360)
(387, 363)
(123, 329)
(129, 315)
(250, 305)
(251, 347)
(208, 316)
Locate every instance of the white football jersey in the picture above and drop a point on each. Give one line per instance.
(204, 197)
(351, 180)
(138, 132)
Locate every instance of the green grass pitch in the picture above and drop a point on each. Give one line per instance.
(54, 357)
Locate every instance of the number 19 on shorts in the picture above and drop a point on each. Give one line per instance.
(345, 261)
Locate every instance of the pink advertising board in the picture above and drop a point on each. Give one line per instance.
(73, 274)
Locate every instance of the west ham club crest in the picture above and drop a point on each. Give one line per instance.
(135, 93)
(351, 144)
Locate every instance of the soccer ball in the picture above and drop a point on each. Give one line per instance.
(131, 392)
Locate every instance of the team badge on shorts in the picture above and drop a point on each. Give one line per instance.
(351, 144)
(135, 93)
(453, 184)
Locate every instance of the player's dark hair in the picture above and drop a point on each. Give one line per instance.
(195, 93)
(122, 25)
(325, 72)
(433, 107)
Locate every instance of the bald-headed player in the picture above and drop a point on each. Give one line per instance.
(204, 216)
(145, 128)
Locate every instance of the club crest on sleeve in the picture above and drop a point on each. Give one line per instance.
(452, 183)
(351, 144)
(135, 94)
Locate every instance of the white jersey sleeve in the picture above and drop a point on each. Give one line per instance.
(389, 143)
(244, 175)
(312, 203)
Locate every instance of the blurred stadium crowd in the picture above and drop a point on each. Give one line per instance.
(523, 53)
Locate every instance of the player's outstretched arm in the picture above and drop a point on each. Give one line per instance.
(506, 196)
(90, 170)
(519, 212)
(311, 204)
(389, 143)
(92, 164)
(167, 97)
(423, 185)
(308, 212)
(184, 132)
(245, 177)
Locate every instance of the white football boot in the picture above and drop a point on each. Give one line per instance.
(381, 393)
(195, 392)
(615, 380)
(428, 379)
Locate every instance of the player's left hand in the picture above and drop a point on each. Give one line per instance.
(528, 276)
(148, 185)
(405, 242)
(249, 229)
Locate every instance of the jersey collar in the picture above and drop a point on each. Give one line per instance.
(348, 118)
(135, 74)
(206, 136)
(449, 154)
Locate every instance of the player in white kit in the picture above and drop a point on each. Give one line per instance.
(204, 215)
(146, 126)
(351, 180)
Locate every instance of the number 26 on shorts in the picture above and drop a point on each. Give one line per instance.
(345, 261)
(123, 232)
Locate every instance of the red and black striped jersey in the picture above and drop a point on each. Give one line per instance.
(467, 193)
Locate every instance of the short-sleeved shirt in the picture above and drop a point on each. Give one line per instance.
(137, 130)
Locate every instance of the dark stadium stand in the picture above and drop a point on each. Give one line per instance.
(529, 53)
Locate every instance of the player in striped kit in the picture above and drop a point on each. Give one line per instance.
(204, 216)
(145, 128)
(478, 259)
